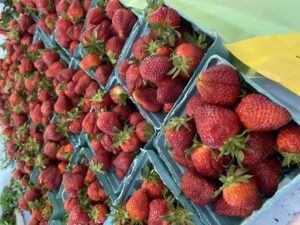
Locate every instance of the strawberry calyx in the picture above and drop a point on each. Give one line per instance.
(234, 175)
(152, 6)
(180, 65)
(149, 174)
(290, 158)
(120, 214)
(112, 57)
(98, 97)
(148, 130)
(122, 98)
(74, 114)
(41, 161)
(201, 41)
(196, 143)
(93, 45)
(176, 123)
(47, 210)
(62, 127)
(96, 167)
(122, 135)
(153, 46)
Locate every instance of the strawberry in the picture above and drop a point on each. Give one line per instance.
(107, 144)
(51, 177)
(76, 77)
(90, 176)
(127, 139)
(25, 66)
(73, 182)
(101, 100)
(157, 209)
(155, 68)
(76, 125)
(73, 46)
(40, 65)
(206, 162)
(70, 203)
(267, 175)
(118, 95)
(133, 79)
(54, 69)
(103, 73)
(258, 113)
(25, 22)
(199, 190)
(135, 118)
(51, 134)
(108, 123)
(102, 30)
(169, 90)
(180, 157)
(96, 145)
(50, 21)
(144, 131)
(44, 6)
(75, 11)
(50, 57)
(62, 7)
(152, 182)
(139, 47)
(83, 83)
(101, 162)
(91, 89)
(165, 14)
(111, 8)
(62, 166)
(78, 216)
(17, 174)
(113, 48)
(99, 213)
(96, 192)
(216, 124)
(74, 31)
(288, 139)
(168, 107)
(137, 205)
(89, 123)
(90, 61)
(70, 90)
(62, 104)
(123, 21)
(180, 132)
(80, 168)
(147, 98)
(86, 4)
(123, 112)
(219, 85)
(50, 149)
(123, 162)
(94, 17)
(18, 119)
(123, 68)
(192, 105)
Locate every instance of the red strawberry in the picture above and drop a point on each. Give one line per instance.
(165, 14)
(44, 6)
(123, 111)
(90, 176)
(50, 57)
(133, 79)
(90, 61)
(73, 182)
(169, 90)
(147, 98)
(25, 66)
(127, 139)
(180, 132)
(198, 189)
(89, 123)
(74, 31)
(192, 105)
(25, 22)
(144, 131)
(123, 68)
(123, 21)
(70, 90)
(113, 48)
(78, 216)
(96, 192)
(86, 4)
(62, 25)
(91, 89)
(135, 118)
(101, 162)
(47, 108)
(70, 203)
(99, 213)
(137, 205)
(79, 168)
(267, 175)
(155, 68)
(108, 123)
(102, 30)
(180, 157)
(73, 47)
(54, 69)
(153, 186)
(75, 11)
(219, 85)
(51, 177)
(83, 83)
(118, 95)
(76, 125)
(288, 138)
(76, 77)
(216, 124)
(123, 162)
(50, 21)
(40, 65)
(103, 73)
(258, 113)
(107, 144)
(111, 8)
(96, 145)
(206, 162)
(51, 134)
(101, 100)
(50, 149)
(62, 104)
(157, 209)
(94, 17)
(62, 7)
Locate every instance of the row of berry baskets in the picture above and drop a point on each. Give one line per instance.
(214, 147)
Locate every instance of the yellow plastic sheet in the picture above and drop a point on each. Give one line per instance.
(277, 57)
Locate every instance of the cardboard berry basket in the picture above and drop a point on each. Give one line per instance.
(160, 143)
(59, 212)
(132, 184)
(79, 51)
(157, 118)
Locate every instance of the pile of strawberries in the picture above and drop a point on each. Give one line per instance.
(232, 145)
(151, 204)
(107, 27)
(116, 131)
(163, 61)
